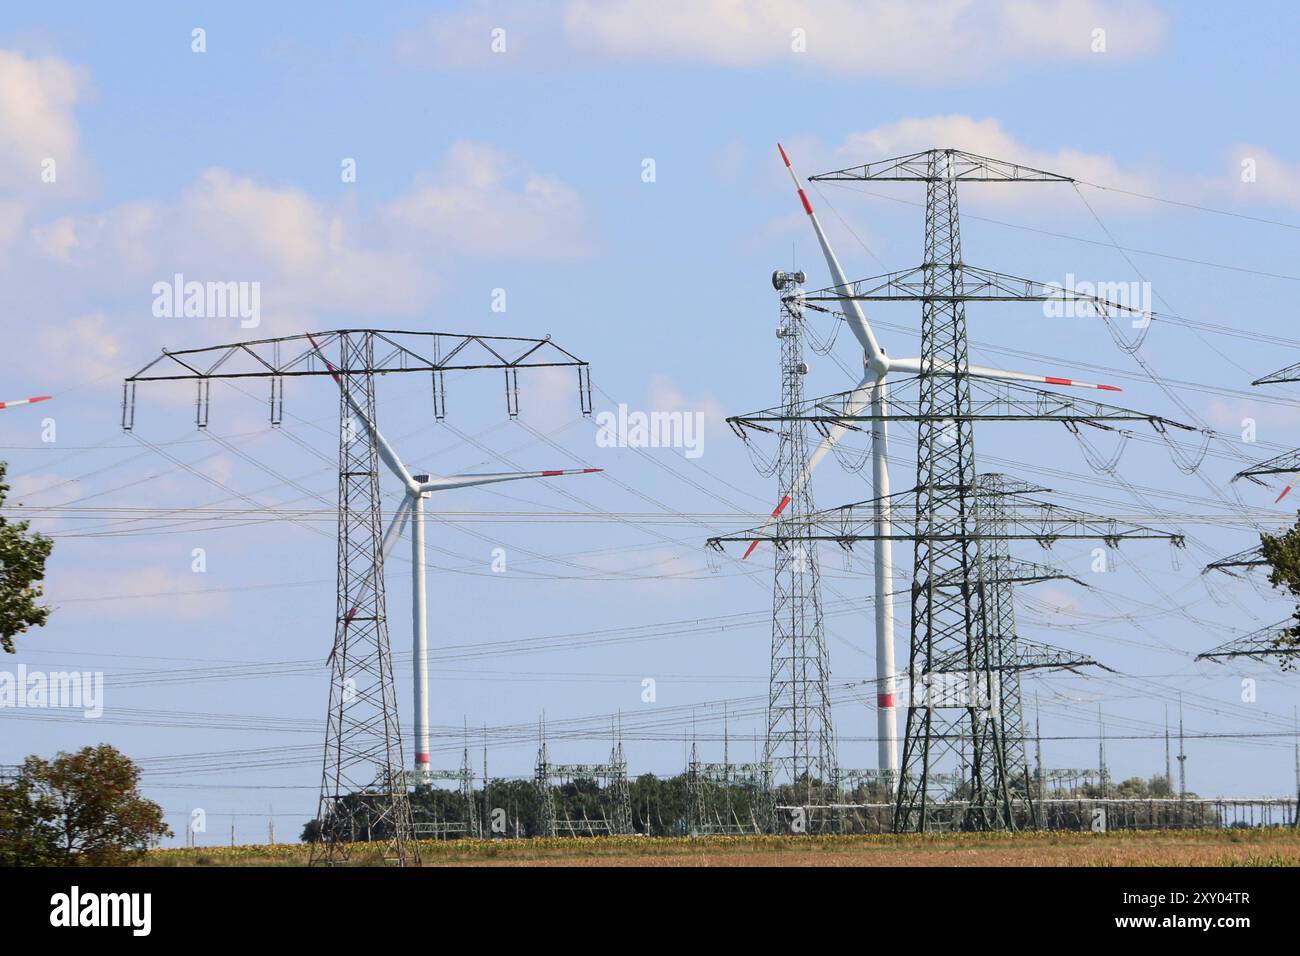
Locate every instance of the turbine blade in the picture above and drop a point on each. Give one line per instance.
(854, 402)
(469, 481)
(983, 371)
(395, 528)
(26, 401)
(852, 308)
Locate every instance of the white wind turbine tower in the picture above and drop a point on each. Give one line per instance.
(872, 390)
(417, 489)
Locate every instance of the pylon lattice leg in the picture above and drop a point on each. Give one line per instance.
(363, 784)
(951, 717)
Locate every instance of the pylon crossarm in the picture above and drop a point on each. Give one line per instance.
(1026, 519)
(976, 285)
(1004, 569)
(1250, 558)
(963, 167)
(1029, 655)
(990, 400)
(1276, 640)
(1283, 375)
(294, 355)
(1036, 655)
(391, 351)
(1284, 464)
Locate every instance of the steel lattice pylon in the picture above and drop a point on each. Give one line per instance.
(800, 744)
(1012, 654)
(363, 782)
(953, 667)
(949, 711)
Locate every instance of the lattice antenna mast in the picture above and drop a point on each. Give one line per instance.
(800, 732)
(363, 781)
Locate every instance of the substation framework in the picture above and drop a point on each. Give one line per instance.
(469, 826)
(952, 639)
(363, 780)
(607, 781)
(712, 789)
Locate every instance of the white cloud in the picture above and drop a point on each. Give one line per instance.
(666, 396)
(484, 203)
(1230, 415)
(312, 256)
(1258, 175)
(86, 349)
(937, 41)
(37, 99)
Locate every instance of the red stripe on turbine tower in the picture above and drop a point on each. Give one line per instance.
(884, 700)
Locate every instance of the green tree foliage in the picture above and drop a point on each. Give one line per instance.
(22, 569)
(1282, 553)
(80, 809)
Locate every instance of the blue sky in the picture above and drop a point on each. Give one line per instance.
(522, 171)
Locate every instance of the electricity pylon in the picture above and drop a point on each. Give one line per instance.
(1014, 655)
(800, 745)
(363, 781)
(950, 613)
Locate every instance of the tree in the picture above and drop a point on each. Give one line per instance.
(22, 569)
(1282, 554)
(82, 808)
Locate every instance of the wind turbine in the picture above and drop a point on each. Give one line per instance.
(872, 390)
(417, 489)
